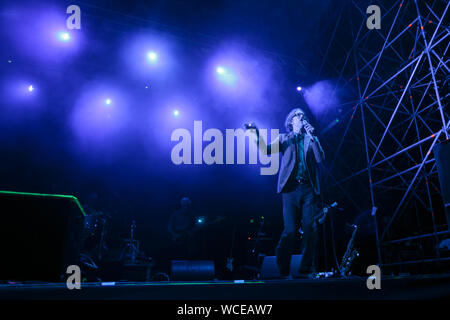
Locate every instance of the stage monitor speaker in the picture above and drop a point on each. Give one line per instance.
(41, 236)
(187, 270)
(269, 269)
(442, 157)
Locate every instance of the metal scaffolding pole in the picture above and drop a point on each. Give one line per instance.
(397, 76)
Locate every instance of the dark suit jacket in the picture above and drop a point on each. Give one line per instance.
(288, 157)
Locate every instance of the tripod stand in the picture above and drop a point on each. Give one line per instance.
(131, 249)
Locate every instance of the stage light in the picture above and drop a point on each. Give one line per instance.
(322, 97)
(176, 113)
(221, 70)
(226, 75)
(200, 220)
(108, 102)
(299, 88)
(152, 56)
(30, 88)
(149, 56)
(63, 36)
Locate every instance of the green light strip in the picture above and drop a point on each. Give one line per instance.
(73, 198)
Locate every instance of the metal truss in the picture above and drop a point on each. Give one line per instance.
(394, 113)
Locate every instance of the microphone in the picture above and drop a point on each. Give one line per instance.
(249, 125)
(307, 132)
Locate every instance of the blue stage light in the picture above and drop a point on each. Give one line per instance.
(176, 113)
(30, 88)
(226, 75)
(63, 36)
(299, 88)
(220, 70)
(108, 102)
(152, 56)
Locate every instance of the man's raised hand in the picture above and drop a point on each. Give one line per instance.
(253, 129)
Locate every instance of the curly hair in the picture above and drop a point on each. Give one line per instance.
(291, 115)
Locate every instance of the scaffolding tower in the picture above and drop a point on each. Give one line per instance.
(382, 141)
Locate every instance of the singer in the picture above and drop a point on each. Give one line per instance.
(298, 183)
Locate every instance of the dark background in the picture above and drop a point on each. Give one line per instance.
(129, 171)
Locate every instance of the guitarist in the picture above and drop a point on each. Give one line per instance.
(188, 230)
(298, 183)
(181, 226)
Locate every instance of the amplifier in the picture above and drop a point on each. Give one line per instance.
(41, 236)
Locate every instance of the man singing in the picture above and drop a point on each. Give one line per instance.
(298, 183)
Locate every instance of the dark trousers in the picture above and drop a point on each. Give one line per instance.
(298, 210)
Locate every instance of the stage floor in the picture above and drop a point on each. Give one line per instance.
(353, 288)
